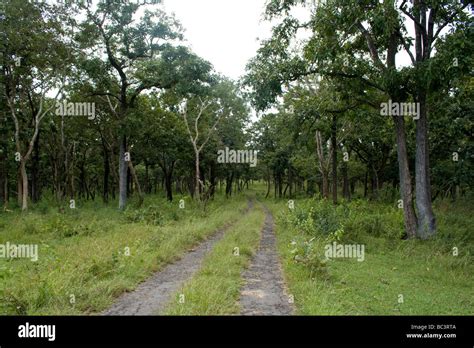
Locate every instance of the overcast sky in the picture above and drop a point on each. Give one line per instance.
(226, 32)
(223, 32)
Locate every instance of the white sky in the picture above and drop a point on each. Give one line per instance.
(223, 32)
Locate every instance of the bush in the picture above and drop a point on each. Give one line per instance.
(319, 222)
(31, 227)
(66, 226)
(363, 223)
(150, 215)
(318, 217)
(306, 253)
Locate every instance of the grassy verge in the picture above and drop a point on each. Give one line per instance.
(215, 289)
(88, 256)
(397, 277)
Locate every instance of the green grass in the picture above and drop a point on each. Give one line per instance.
(215, 289)
(82, 252)
(431, 280)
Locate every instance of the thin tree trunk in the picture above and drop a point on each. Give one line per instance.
(24, 179)
(169, 187)
(268, 186)
(322, 165)
(122, 173)
(147, 178)
(5, 192)
(228, 184)
(405, 178)
(212, 180)
(197, 187)
(137, 183)
(19, 186)
(105, 192)
(375, 181)
(345, 182)
(35, 183)
(280, 185)
(334, 158)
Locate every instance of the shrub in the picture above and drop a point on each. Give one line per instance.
(66, 226)
(150, 215)
(306, 253)
(319, 217)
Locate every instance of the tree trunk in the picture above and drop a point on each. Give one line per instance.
(375, 181)
(280, 185)
(35, 183)
(286, 189)
(197, 177)
(290, 182)
(334, 158)
(345, 185)
(134, 176)
(19, 186)
(147, 178)
(168, 177)
(82, 181)
(5, 192)
(268, 185)
(212, 180)
(168, 186)
(228, 184)
(24, 180)
(322, 165)
(105, 192)
(122, 173)
(405, 178)
(426, 218)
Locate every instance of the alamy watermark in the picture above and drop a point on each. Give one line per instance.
(237, 156)
(400, 109)
(13, 251)
(335, 250)
(37, 331)
(66, 108)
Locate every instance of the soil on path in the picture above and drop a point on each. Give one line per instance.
(152, 296)
(264, 290)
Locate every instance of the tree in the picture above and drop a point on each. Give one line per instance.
(429, 19)
(362, 50)
(34, 61)
(141, 58)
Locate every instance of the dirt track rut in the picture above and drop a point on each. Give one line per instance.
(264, 290)
(152, 296)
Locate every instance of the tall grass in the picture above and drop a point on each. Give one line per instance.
(397, 276)
(90, 255)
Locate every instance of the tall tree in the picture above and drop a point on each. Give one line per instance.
(428, 18)
(34, 62)
(142, 57)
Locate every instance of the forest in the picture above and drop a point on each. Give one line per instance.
(124, 154)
